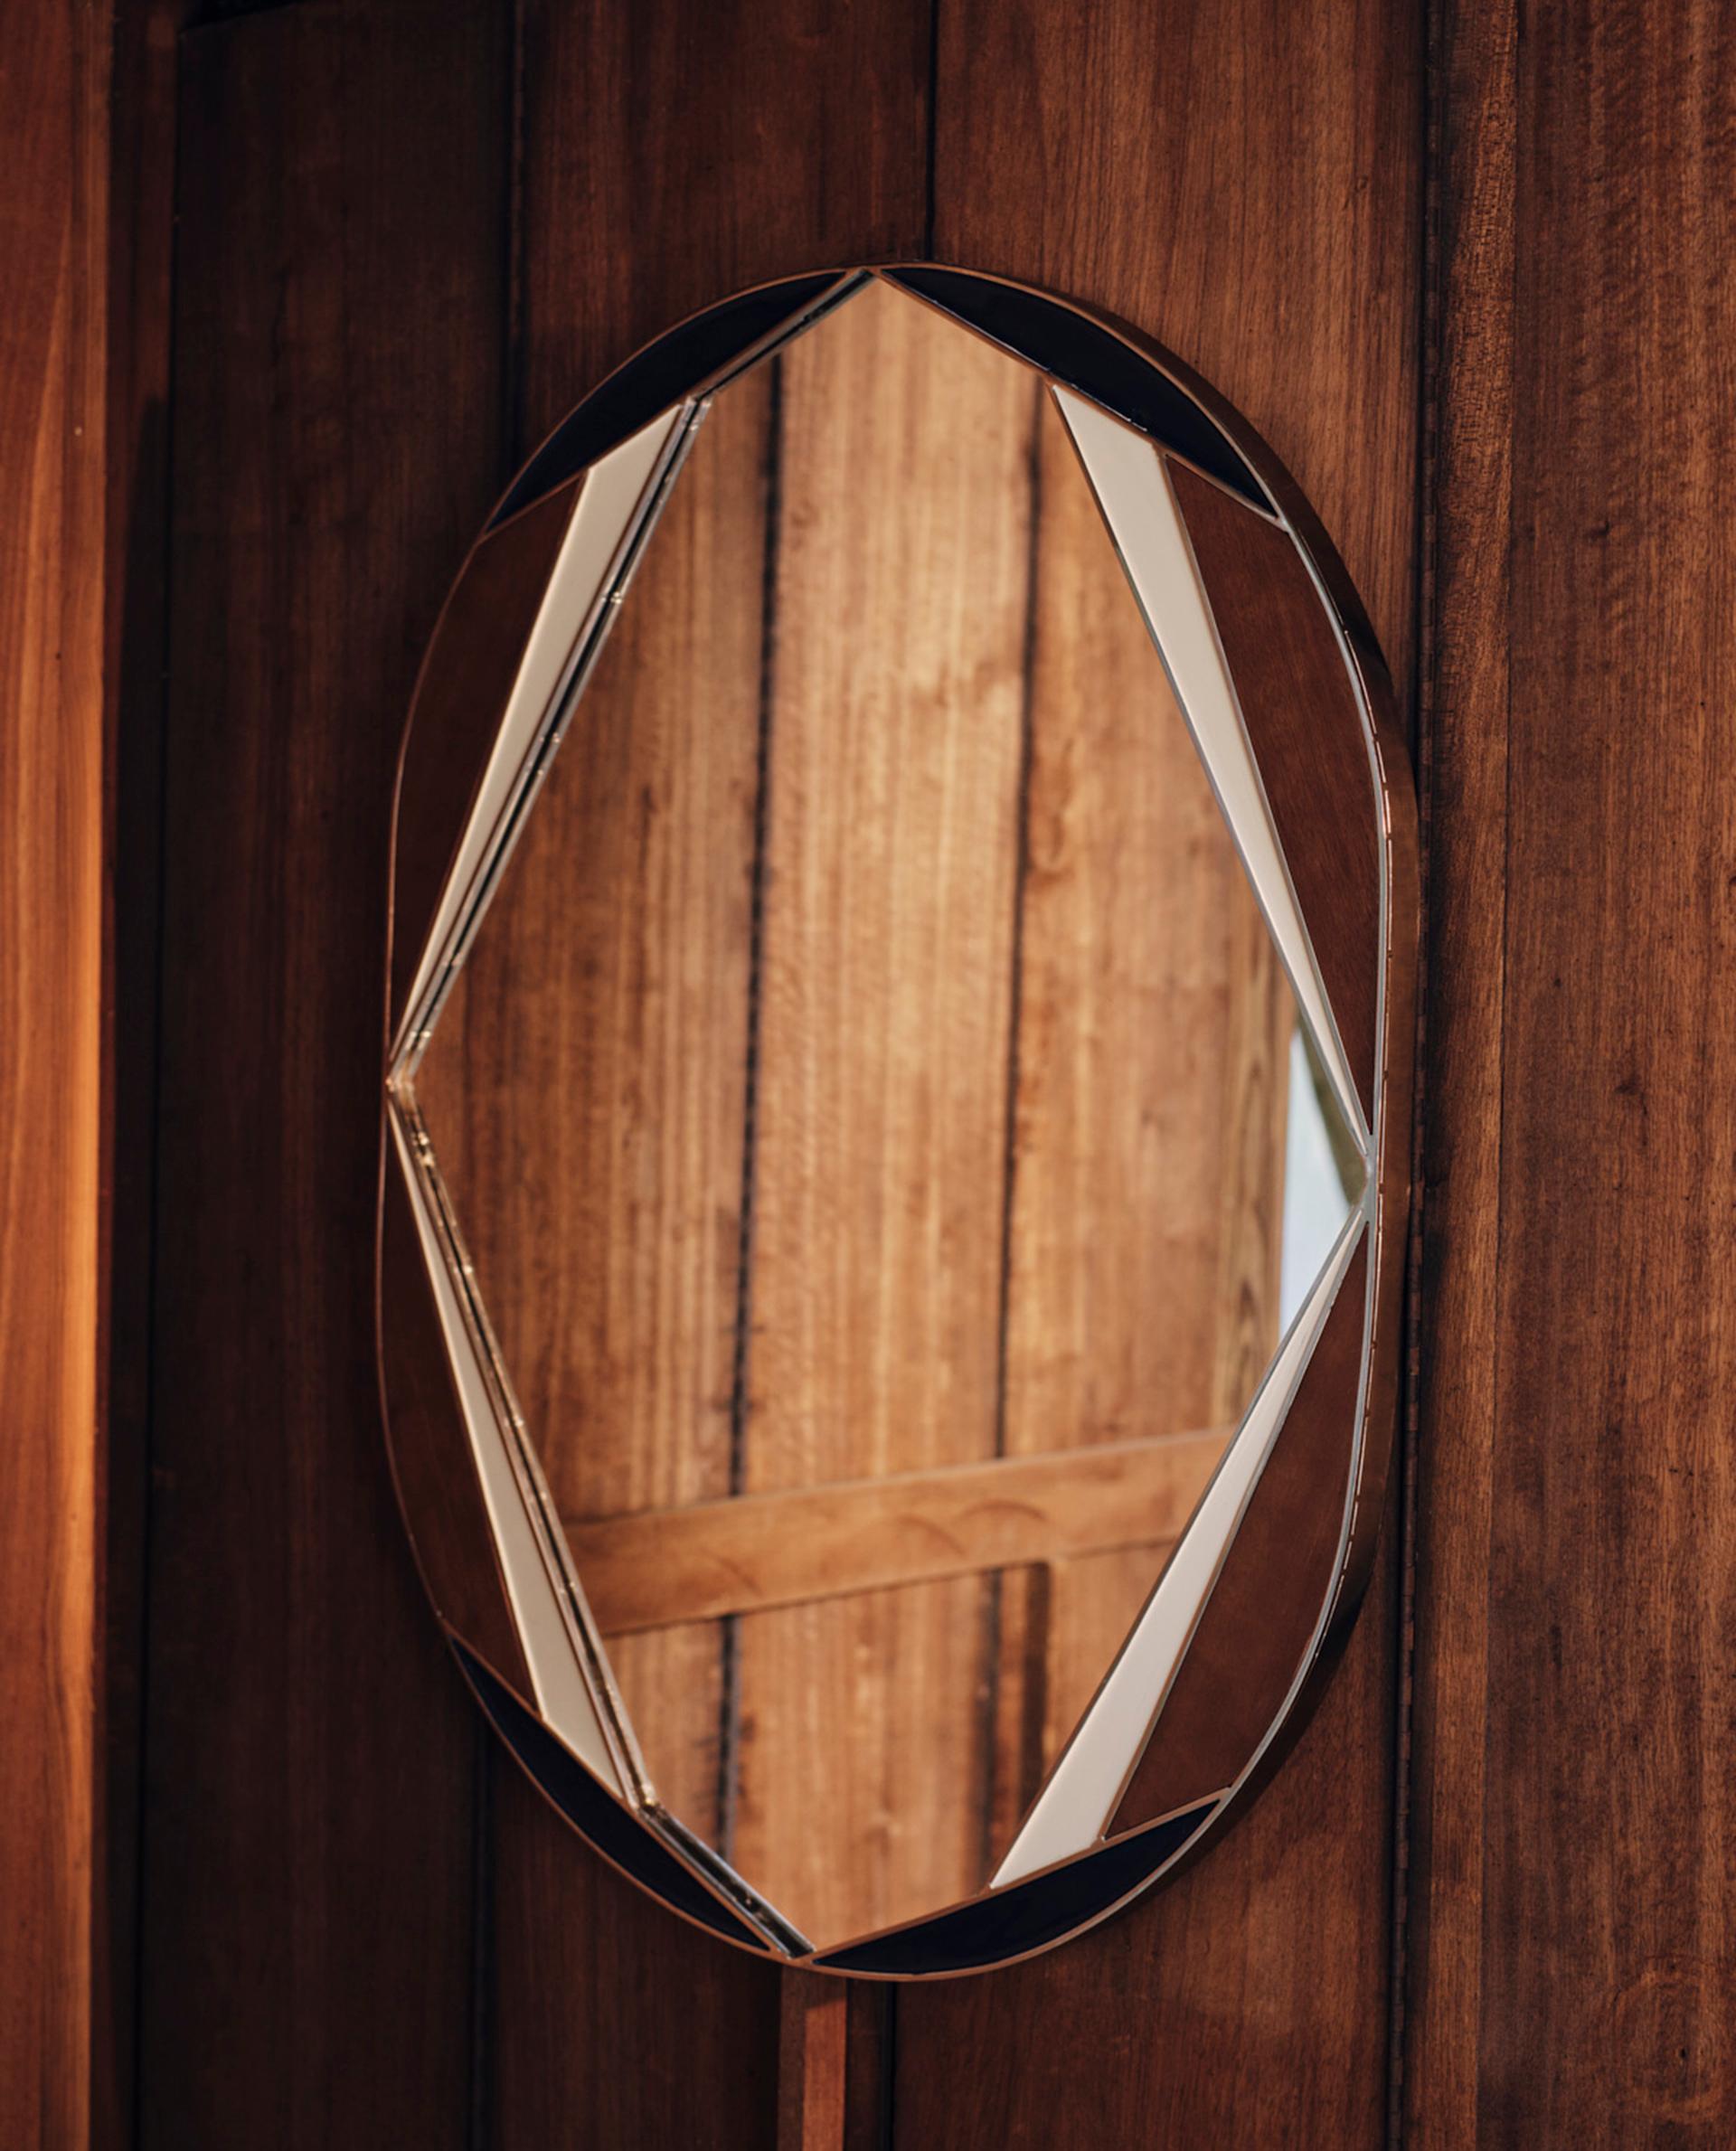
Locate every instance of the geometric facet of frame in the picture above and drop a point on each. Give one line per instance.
(1274, 669)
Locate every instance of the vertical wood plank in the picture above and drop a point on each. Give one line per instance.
(1245, 184)
(1598, 1688)
(897, 707)
(307, 1904)
(1148, 1159)
(1463, 774)
(669, 156)
(53, 348)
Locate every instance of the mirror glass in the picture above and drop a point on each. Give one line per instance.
(877, 1118)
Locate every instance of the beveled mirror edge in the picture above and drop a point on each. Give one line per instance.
(1390, 1191)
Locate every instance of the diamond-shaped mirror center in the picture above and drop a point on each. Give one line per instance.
(879, 1119)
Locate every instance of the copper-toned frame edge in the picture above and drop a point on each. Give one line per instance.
(1390, 1219)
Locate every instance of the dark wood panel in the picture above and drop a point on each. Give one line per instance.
(1587, 1684)
(1463, 774)
(670, 156)
(880, 1143)
(1244, 185)
(307, 1913)
(54, 229)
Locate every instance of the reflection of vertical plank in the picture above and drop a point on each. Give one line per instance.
(1143, 1287)
(600, 1195)
(895, 755)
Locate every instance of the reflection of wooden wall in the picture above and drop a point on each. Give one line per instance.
(884, 635)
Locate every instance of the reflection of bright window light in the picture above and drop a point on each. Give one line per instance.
(1314, 1200)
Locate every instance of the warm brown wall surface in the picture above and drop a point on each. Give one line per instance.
(1466, 281)
(53, 267)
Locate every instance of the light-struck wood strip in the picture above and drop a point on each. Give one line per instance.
(895, 760)
(1154, 1020)
(54, 349)
(586, 1087)
(653, 1568)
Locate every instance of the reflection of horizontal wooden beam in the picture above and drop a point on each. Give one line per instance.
(665, 1566)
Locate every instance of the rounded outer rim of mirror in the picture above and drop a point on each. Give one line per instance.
(1390, 1223)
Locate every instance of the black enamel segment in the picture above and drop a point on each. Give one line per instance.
(591, 1811)
(661, 375)
(1026, 1916)
(1094, 361)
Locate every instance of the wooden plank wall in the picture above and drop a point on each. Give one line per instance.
(53, 1098)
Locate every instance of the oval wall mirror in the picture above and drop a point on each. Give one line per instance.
(896, 1118)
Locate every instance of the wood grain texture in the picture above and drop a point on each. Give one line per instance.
(645, 197)
(433, 1461)
(624, 2026)
(682, 154)
(1586, 1684)
(54, 355)
(812, 2063)
(306, 1921)
(461, 694)
(1248, 190)
(885, 1032)
(1298, 702)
